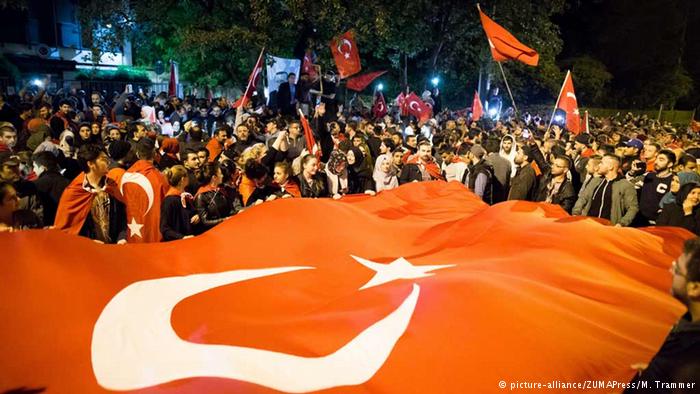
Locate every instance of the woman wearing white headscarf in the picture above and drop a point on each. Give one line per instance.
(385, 173)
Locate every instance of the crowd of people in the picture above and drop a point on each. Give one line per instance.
(216, 160)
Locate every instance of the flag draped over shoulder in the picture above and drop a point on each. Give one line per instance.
(76, 202)
(504, 46)
(469, 295)
(144, 188)
(346, 54)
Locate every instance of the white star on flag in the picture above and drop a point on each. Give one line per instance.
(397, 269)
(347, 55)
(576, 111)
(135, 228)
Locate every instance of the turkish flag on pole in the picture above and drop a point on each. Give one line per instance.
(477, 108)
(360, 82)
(379, 109)
(567, 102)
(174, 79)
(143, 188)
(504, 46)
(417, 107)
(252, 82)
(311, 145)
(346, 54)
(308, 64)
(409, 314)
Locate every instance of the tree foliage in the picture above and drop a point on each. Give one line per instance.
(216, 42)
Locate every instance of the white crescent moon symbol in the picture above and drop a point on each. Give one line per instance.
(134, 345)
(141, 180)
(343, 43)
(416, 108)
(571, 95)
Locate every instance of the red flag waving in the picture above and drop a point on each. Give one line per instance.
(252, 82)
(477, 108)
(504, 46)
(143, 187)
(311, 145)
(174, 79)
(409, 314)
(308, 64)
(379, 108)
(346, 54)
(567, 102)
(360, 82)
(417, 107)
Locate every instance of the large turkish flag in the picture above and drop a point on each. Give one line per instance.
(421, 289)
(504, 46)
(567, 102)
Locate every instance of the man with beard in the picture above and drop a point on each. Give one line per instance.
(677, 360)
(555, 187)
(421, 166)
(523, 184)
(655, 186)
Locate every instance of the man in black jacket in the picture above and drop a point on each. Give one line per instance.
(555, 187)
(677, 361)
(49, 184)
(524, 184)
(286, 96)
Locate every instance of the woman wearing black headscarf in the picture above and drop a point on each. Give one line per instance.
(359, 173)
(684, 211)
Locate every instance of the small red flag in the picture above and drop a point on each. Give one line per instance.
(417, 107)
(504, 46)
(308, 64)
(477, 108)
(143, 188)
(174, 80)
(379, 108)
(567, 102)
(311, 145)
(401, 102)
(252, 82)
(359, 83)
(346, 55)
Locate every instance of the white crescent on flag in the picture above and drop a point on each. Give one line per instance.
(342, 43)
(416, 108)
(141, 180)
(571, 95)
(134, 345)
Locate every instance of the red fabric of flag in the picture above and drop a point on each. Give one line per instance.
(311, 145)
(308, 64)
(467, 296)
(346, 54)
(252, 82)
(416, 107)
(504, 46)
(379, 109)
(360, 82)
(567, 102)
(477, 108)
(174, 80)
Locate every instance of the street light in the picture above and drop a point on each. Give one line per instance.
(37, 83)
(380, 87)
(435, 81)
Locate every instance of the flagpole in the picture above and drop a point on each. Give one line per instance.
(512, 100)
(551, 118)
